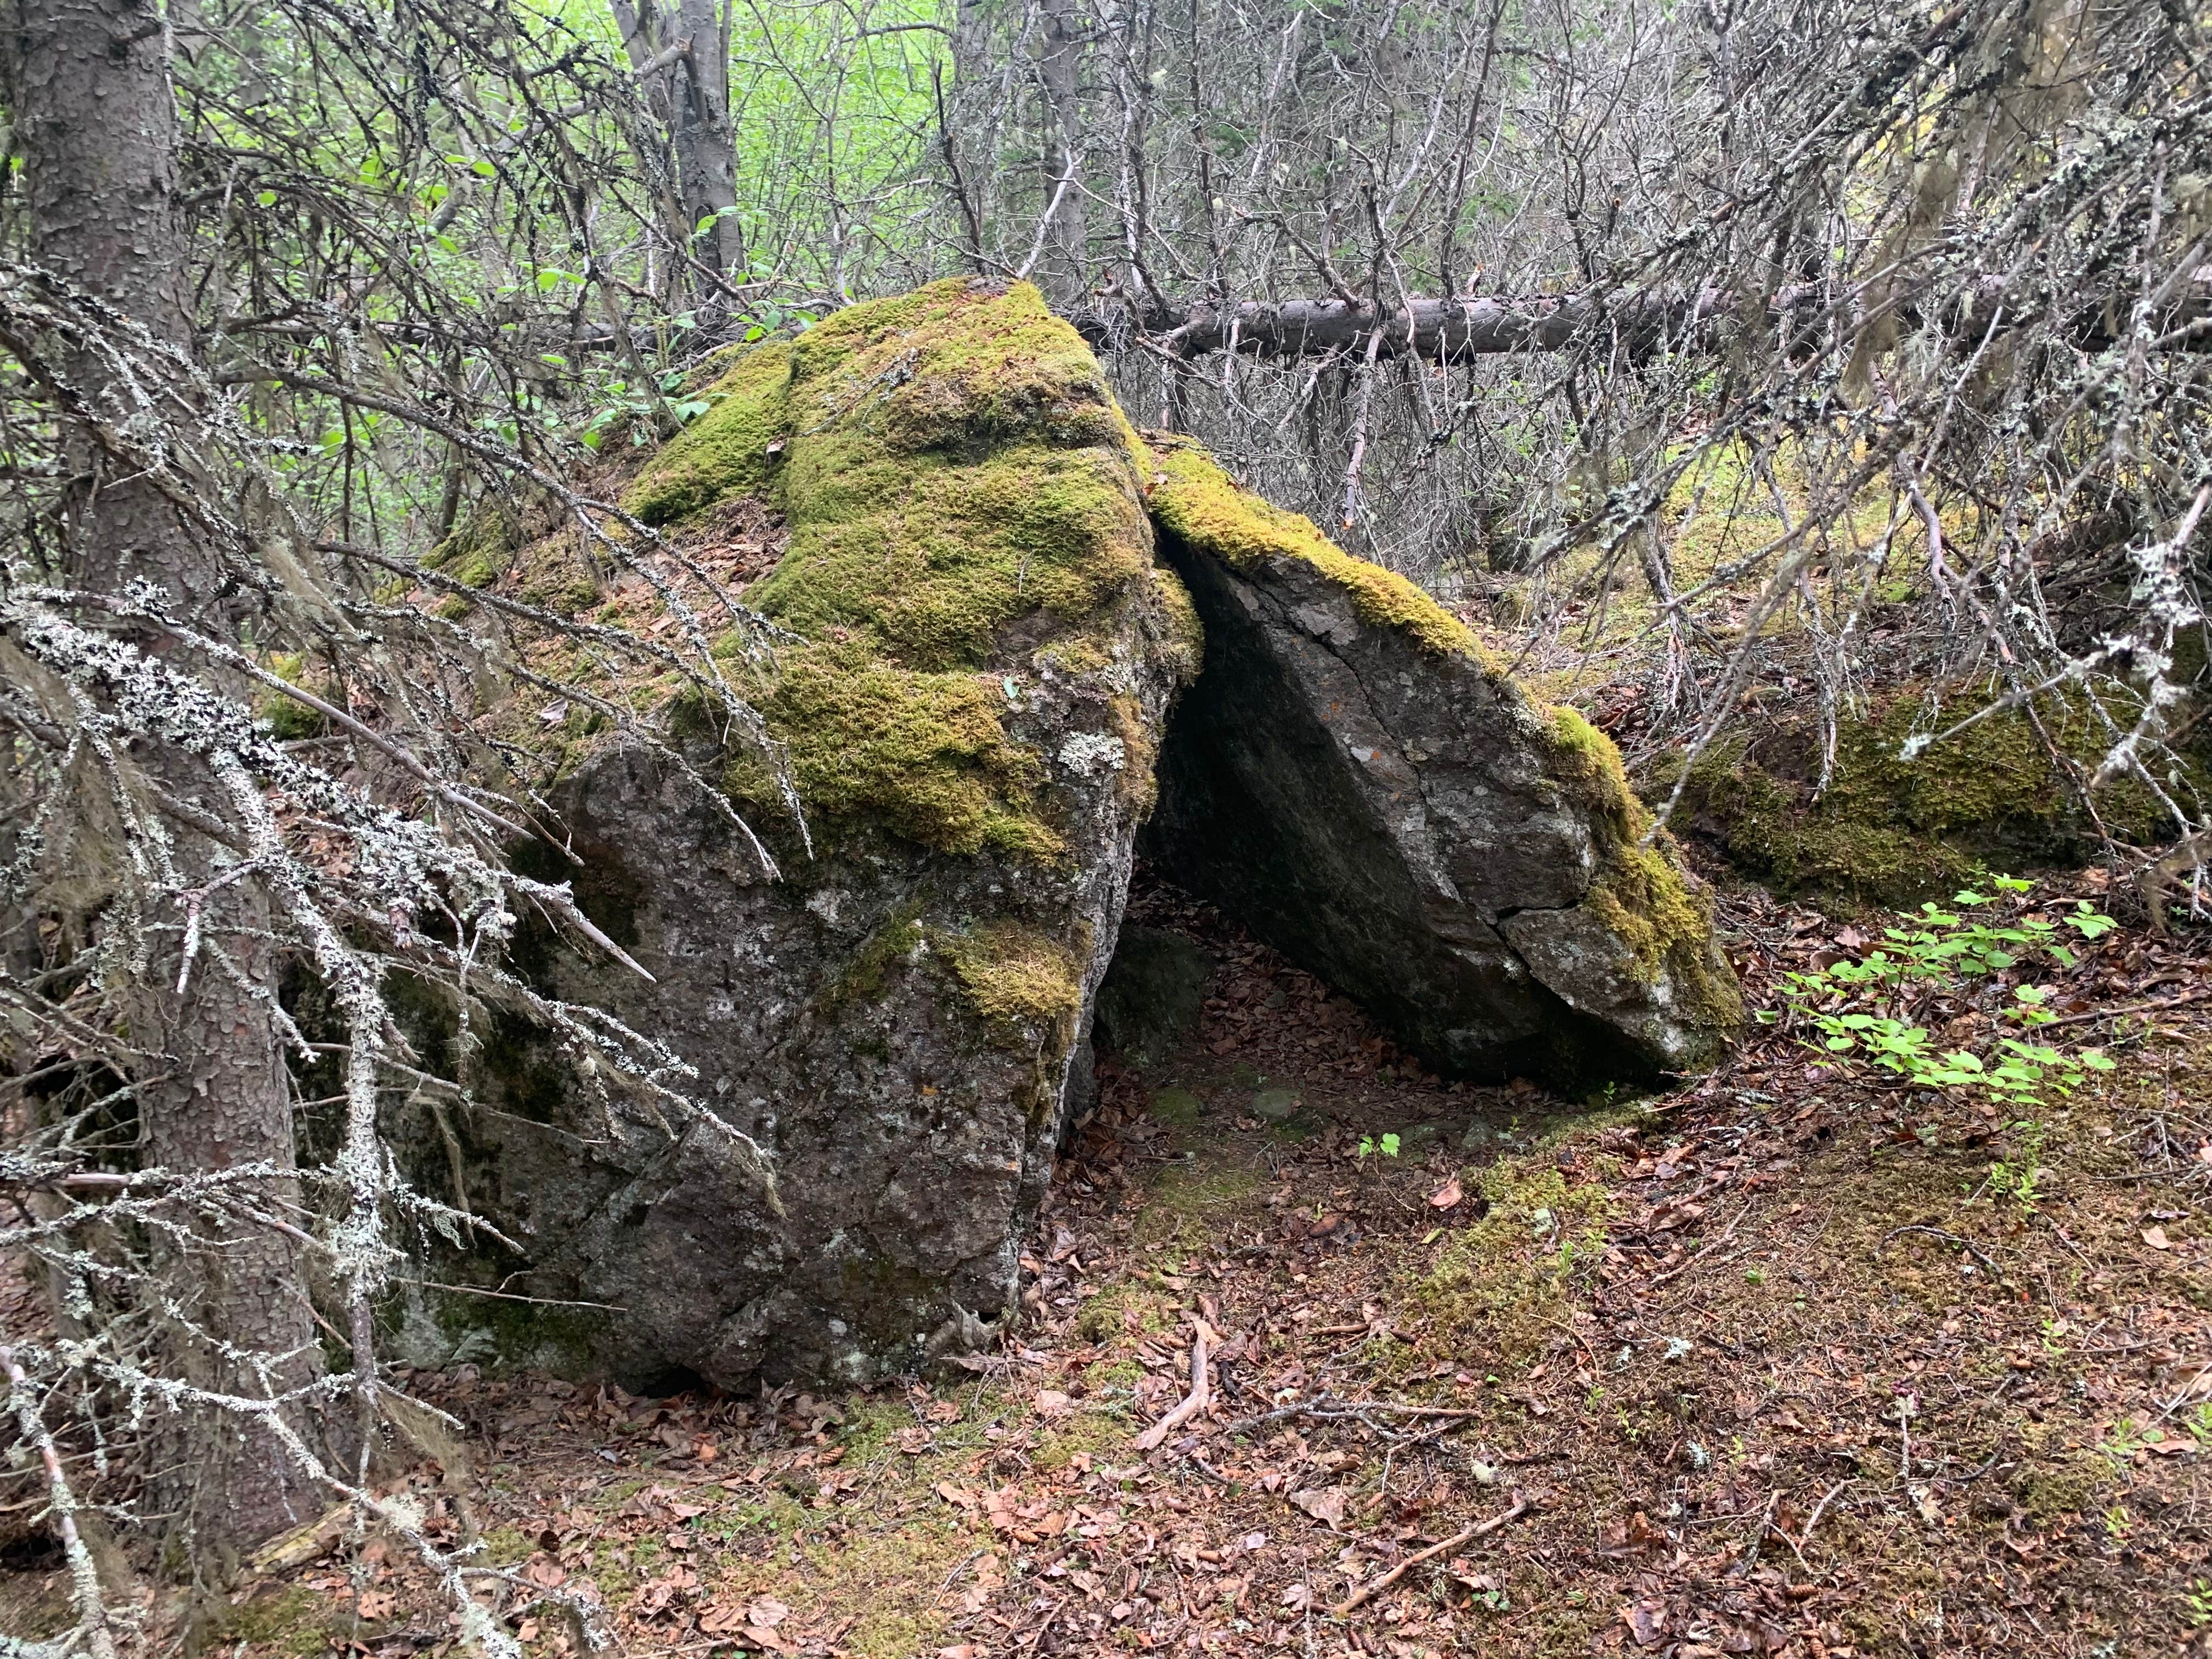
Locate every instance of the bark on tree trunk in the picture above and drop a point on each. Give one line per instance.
(1067, 236)
(96, 125)
(682, 56)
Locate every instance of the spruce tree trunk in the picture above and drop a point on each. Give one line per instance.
(96, 129)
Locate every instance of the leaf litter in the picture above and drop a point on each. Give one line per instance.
(1768, 1364)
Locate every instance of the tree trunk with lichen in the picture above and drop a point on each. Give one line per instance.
(95, 127)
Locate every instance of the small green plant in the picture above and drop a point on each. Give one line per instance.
(2016, 1177)
(644, 407)
(2196, 1603)
(1872, 1011)
(2126, 1439)
(1387, 1147)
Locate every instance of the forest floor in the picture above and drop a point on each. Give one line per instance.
(1783, 1362)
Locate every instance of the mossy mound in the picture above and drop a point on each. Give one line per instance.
(729, 450)
(1888, 830)
(964, 506)
(1497, 1285)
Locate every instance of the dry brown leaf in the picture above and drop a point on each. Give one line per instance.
(1646, 1622)
(1447, 1196)
(1325, 1504)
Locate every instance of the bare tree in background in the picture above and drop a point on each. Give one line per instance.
(253, 744)
(1496, 290)
(682, 56)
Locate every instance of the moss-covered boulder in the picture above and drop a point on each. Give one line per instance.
(2006, 792)
(981, 654)
(984, 656)
(1358, 782)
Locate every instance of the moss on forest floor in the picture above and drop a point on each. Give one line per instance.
(1696, 1338)
(1887, 830)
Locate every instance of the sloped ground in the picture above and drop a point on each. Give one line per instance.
(1781, 1364)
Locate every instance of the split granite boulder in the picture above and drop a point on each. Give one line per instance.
(1358, 781)
(890, 1038)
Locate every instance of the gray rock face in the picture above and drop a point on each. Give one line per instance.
(1389, 811)
(876, 1054)
(1153, 994)
(905, 1133)
(882, 1044)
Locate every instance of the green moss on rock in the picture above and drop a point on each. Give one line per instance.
(960, 465)
(1641, 896)
(729, 450)
(1015, 977)
(1640, 892)
(1584, 758)
(480, 550)
(289, 718)
(1194, 499)
(956, 477)
(1888, 830)
(923, 754)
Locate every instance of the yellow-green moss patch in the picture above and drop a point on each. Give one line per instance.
(479, 550)
(923, 754)
(959, 464)
(1499, 1283)
(729, 450)
(1015, 976)
(1643, 899)
(1585, 758)
(955, 477)
(1887, 830)
(1192, 497)
(288, 717)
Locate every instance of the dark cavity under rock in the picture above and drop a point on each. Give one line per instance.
(1154, 995)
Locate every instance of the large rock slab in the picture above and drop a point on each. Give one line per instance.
(1354, 779)
(879, 1048)
(989, 656)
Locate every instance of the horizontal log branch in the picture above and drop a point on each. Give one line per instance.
(1638, 323)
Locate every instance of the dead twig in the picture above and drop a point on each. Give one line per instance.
(1819, 1510)
(1193, 1402)
(1368, 1592)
